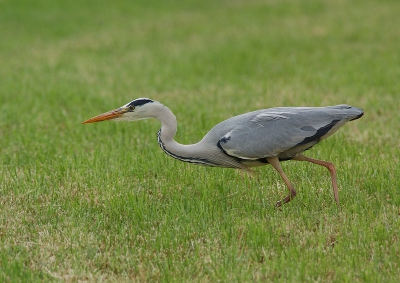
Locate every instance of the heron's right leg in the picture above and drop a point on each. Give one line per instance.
(274, 161)
(327, 165)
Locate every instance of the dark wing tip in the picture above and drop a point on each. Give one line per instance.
(354, 113)
(361, 113)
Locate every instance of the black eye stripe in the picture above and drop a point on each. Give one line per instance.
(140, 101)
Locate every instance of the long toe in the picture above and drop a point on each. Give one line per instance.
(286, 199)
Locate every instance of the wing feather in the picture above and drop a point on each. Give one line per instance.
(270, 132)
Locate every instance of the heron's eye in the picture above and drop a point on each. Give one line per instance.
(131, 107)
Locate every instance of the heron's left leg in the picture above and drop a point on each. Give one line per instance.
(274, 161)
(331, 169)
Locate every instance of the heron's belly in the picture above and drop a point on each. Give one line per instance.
(283, 156)
(261, 161)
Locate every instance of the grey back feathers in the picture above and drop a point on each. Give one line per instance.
(281, 131)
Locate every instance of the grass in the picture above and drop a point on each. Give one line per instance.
(102, 203)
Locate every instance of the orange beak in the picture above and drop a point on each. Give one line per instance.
(107, 116)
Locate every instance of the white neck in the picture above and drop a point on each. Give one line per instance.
(189, 153)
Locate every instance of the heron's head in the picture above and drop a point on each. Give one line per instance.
(137, 109)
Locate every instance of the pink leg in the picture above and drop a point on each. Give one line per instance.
(274, 161)
(331, 169)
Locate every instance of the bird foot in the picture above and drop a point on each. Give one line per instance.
(286, 199)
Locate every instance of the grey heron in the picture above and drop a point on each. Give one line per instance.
(257, 138)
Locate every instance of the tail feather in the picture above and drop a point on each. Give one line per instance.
(351, 113)
(359, 115)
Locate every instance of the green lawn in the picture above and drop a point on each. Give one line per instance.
(103, 203)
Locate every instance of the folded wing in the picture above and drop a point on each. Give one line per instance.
(283, 130)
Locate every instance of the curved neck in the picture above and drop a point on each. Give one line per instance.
(169, 125)
(187, 153)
